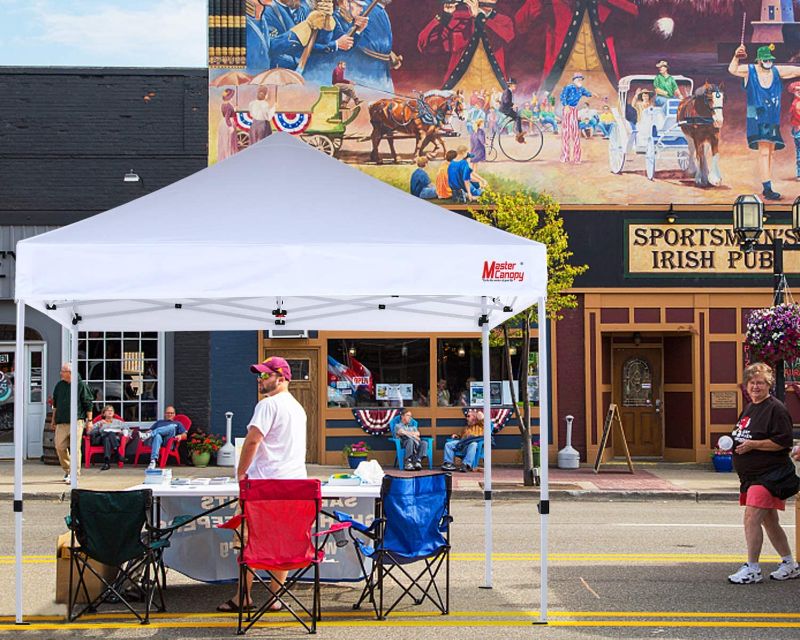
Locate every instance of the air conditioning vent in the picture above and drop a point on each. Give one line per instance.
(287, 333)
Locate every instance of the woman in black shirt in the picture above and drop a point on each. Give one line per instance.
(763, 437)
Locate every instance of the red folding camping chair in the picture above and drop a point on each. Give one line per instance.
(169, 449)
(279, 529)
(90, 449)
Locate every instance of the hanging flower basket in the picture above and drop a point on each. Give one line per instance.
(773, 334)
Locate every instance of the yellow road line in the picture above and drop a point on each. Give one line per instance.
(453, 614)
(441, 622)
(678, 558)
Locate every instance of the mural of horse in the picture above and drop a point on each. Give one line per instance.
(422, 118)
(700, 119)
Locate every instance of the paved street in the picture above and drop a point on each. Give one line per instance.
(618, 570)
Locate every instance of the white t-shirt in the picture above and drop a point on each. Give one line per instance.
(282, 452)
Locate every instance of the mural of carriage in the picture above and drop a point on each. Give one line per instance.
(657, 132)
(323, 127)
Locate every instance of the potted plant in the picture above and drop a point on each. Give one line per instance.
(356, 452)
(773, 333)
(722, 459)
(201, 445)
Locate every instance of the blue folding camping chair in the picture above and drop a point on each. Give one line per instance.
(414, 528)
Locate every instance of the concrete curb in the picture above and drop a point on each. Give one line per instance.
(521, 494)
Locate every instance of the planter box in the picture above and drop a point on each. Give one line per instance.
(354, 461)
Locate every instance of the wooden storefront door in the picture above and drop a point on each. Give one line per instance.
(638, 394)
(305, 387)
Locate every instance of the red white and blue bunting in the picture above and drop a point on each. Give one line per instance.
(293, 123)
(375, 422)
(499, 417)
(243, 120)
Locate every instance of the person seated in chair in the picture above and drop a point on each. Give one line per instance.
(464, 446)
(161, 432)
(106, 431)
(415, 448)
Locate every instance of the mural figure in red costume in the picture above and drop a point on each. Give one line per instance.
(475, 35)
(574, 37)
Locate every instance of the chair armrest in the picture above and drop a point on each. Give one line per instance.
(341, 516)
(234, 523)
(177, 523)
(338, 526)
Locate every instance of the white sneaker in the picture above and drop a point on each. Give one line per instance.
(746, 575)
(66, 478)
(145, 435)
(786, 571)
(152, 464)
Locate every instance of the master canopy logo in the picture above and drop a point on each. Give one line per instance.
(503, 271)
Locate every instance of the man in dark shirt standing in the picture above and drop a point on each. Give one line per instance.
(507, 108)
(60, 421)
(344, 85)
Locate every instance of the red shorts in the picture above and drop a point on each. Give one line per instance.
(759, 496)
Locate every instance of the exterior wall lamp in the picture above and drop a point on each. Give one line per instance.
(131, 177)
(748, 220)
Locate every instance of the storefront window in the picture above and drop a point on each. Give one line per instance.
(122, 370)
(378, 373)
(460, 373)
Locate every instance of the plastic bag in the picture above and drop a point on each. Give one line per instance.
(370, 472)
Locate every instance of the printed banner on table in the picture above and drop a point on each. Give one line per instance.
(203, 552)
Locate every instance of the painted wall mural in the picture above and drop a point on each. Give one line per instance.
(606, 102)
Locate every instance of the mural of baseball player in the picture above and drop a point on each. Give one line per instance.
(475, 35)
(763, 84)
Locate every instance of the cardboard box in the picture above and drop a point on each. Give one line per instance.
(93, 584)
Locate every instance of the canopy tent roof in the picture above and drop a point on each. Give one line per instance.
(279, 227)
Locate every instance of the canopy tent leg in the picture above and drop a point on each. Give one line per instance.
(19, 441)
(544, 433)
(487, 444)
(74, 439)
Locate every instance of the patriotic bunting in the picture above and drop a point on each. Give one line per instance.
(375, 422)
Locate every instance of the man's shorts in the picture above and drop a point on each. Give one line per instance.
(759, 496)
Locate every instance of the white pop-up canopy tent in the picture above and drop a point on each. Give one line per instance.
(280, 234)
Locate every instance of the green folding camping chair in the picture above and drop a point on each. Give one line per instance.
(114, 528)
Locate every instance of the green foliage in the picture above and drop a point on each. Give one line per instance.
(536, 216)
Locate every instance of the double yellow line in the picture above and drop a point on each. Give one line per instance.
(643, 619)
(629, 558)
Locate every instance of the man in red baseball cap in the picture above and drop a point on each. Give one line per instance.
(275, 446)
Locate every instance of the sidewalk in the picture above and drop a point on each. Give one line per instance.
(659, 481)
